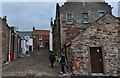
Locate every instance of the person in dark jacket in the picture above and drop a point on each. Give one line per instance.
(63, 63)
(52, 59)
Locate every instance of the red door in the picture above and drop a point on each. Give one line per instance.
(96, 59)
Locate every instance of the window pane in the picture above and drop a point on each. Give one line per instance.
(101, 14)
(40, 44)
(40, 37)
(69, 17)
(85, 17)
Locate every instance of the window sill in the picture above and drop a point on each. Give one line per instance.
(40, 46)
(85, 23)
(70, 23)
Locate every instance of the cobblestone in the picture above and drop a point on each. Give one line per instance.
(35, 64)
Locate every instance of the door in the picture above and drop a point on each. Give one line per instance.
(96, 59)
(30, 48)
(47, 45)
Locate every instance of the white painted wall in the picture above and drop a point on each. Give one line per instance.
(23, 46)
(50, 40)
(30, 43)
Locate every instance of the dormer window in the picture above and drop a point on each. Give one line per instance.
(85, 18)
(26, 37)
(101, 13)
(69, 18)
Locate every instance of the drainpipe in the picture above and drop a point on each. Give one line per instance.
(65, 47)
(9, 46)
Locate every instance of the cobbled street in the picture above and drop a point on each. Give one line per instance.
(33, 64)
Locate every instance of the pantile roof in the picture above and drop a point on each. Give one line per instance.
(41, 32)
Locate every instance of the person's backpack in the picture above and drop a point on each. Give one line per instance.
(62, 60)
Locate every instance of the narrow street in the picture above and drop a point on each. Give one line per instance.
(33, 64)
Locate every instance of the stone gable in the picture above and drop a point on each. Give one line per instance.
(103, 33)
(70, 31)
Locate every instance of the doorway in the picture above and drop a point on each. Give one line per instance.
(96, 59)
(30, 48)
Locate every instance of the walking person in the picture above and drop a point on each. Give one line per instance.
(62, 63)
(52, 59)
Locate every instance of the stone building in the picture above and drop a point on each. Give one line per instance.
(5, 39)
(96, 47)
(9, 42)
(40, 39)
(14, 43)
(87, 33)
(0, 40)
(119, 46)
(56, 39)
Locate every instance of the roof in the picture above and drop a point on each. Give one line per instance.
(24, 31)
(41, 32)
(85, 1)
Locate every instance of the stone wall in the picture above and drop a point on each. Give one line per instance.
(69, 31)
(119, 48)
(56, 31)
(103, 33)
(0, 39)
(0, 50)
(5, 40)
(45, 42)
(15, 46)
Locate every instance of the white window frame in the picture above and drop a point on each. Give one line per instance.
(85, 18)
(40, 37)
(69, 18)
(101, 13)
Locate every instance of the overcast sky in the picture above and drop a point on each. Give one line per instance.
(26, 15)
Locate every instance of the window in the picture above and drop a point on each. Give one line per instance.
(69, 18)
(40, 37)
(101, 14)
(40, 44)
(26, 37)
(85, 17)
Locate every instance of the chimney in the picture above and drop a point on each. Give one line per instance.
(4, 18)
(51, 22)
(33, 28)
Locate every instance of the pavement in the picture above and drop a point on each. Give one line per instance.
(33, 64)
(36, 65)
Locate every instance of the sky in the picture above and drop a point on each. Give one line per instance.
(26, 15)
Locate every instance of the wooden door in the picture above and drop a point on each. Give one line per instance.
(96, 59)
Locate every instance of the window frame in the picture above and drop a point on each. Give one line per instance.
(40, 44)
(99, 13)
(69, 18)
(85, 17)
(40, 37)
